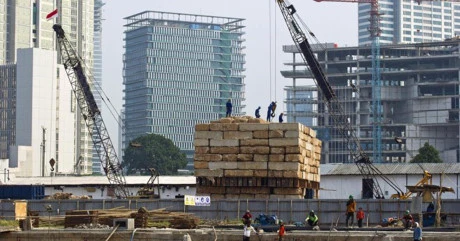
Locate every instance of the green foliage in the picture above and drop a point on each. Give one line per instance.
(427, 154)
(8, 223)
(155, 151)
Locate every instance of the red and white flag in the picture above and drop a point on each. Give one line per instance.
(51, 15)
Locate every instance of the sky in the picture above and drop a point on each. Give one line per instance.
(265, 34)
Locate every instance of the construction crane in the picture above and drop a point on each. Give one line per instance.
(374, 30)
(148, 190)
(340, 120)
(91, 113)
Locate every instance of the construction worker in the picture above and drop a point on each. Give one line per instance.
(312, 219)
(247, 232)
(229, 108)
(417, 232)
(258, 112)
(273, 104)
(351, 208)
(408, 220)
(280, 119)
(360, 217)
(269, 112)
(247, 217)
(281, 231)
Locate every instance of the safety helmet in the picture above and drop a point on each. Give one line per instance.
(350, 197)
(407, 211)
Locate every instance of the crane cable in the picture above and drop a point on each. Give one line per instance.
(270, 45)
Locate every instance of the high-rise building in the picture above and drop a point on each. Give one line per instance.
(97, 70)
(180, 70)
(43, 109)
(419, 98)
(408, 21)
(25, 26)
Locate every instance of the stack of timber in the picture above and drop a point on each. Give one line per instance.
(245, 157)
(77, 217)
(143, 218)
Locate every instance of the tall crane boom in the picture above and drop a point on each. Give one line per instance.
(359, 157)
(91, 114)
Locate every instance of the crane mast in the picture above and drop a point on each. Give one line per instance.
(91, 114)
(340, 120)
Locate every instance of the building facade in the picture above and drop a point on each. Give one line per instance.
(419, 98)
(97, 71)
(25, 26)
(408, 21)
(180, 70)
(43, 99)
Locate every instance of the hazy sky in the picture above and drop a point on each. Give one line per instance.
(330, 22)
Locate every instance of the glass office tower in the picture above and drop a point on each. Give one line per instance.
(180, 70)
(408, 21)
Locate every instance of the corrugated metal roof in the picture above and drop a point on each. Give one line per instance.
(102, 180)
(395, 169)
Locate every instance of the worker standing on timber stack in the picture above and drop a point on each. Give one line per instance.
(258, 112)
(351, 208)
(280, 119)
(229, 108)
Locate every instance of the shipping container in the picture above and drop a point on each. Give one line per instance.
(22, 192)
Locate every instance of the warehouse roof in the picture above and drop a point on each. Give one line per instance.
(393, 169)
(100, 180)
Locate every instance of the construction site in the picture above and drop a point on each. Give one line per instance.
(243, 163)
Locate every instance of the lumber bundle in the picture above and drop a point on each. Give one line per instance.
(143, 218)
(245, 157)
(65, 195)
(77, 217)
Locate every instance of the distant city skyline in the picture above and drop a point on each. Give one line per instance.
(262, 78)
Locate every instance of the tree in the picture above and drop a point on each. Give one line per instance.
(155, 151)
(427, 154)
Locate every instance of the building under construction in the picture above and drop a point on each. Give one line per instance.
(419, 96)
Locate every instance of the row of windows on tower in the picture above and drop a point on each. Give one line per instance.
(185, 32)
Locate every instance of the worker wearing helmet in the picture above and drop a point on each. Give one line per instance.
(312, 219)
(351, 208)
(408, 219)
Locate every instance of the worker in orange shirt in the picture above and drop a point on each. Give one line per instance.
(351, 208)
(281, 231)
(360, 217)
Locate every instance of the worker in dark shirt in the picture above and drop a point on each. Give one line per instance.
(229, 108)
(258, 112)
(280, 119)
